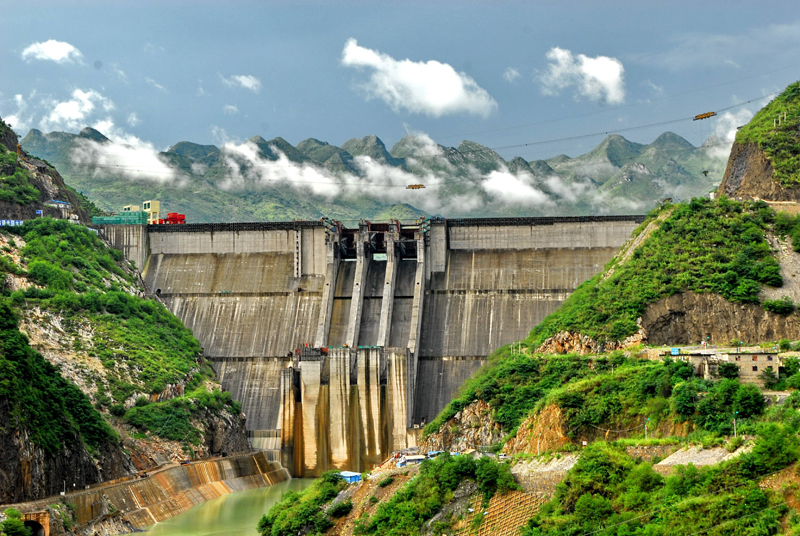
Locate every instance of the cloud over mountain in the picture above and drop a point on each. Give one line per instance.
(52, 50)
(599, 79)
(431, 88)
(72, 114)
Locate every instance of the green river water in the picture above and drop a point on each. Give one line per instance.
(234, 515)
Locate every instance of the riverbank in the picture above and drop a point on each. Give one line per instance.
(133, 505)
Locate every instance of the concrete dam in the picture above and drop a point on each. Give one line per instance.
(341, 343)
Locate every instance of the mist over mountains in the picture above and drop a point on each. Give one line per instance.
(261, 180)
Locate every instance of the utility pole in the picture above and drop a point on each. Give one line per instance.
(735, 413)
(645, 427)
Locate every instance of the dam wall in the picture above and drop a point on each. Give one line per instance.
(167, 493)
(341, 343)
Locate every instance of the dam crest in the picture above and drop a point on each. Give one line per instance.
(341, 343)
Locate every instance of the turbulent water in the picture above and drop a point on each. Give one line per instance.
(231, 515)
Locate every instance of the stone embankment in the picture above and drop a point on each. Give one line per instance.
(131, 505)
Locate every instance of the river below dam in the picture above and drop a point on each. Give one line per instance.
(232, 515)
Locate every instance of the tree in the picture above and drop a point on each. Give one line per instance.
(769, 378)
(728, 370)
(13, 525)
(749, 401)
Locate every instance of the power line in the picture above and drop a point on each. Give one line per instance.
(172, 171)
(616, 108)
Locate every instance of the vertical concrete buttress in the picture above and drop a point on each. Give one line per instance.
(415, 334)
(384, 330)
(310, 372)
(357, 302)
(339, 392)
(328, 291)
(288, 416)
(369, 401)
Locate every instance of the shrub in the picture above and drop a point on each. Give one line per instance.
(341, 509)
(385, 481)
(784, 345)
(783, 306)
(769, 378)
(728, 370)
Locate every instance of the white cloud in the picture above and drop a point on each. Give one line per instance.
(245, 81)
(133, 119)
(514, 189)
(600, 79)
(73, 114)
(19, 120)
(432, 88)
(155, 84)
(510, 75)
(119, 72)
(725, 129)
(659, 90)
(230, 109)
(52, 50)
(125, 155)
(200, 91)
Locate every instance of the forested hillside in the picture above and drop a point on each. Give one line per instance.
(92, 364)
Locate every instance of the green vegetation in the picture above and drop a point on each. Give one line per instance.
(341, 509)
(387, 481)
(141, 345)
(172, 419)
(54, 411)
(13, 525)
(612, 392)
(512, 384)
(607, 493)
(303, 513)
(15, 186)
(780, 142)
(701, 246)
(425, 495)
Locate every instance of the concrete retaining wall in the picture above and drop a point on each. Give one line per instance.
(170, 492)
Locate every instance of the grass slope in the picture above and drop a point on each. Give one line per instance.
(702, 246)
(781, 143)
(143, 348)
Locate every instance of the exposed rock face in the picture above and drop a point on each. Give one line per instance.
(29, 472)
(471, 428)
(749, 176)
(569, 342)
(691, 317)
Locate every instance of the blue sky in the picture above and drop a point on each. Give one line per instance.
(213, 71)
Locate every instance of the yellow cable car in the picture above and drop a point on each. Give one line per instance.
(415, 186)
(706, 115)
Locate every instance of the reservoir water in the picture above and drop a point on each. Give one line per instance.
(232, 515)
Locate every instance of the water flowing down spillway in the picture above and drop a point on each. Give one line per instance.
(236, 514)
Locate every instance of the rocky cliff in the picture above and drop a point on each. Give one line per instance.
(749, 175)
(471, 428)
(690, 317)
